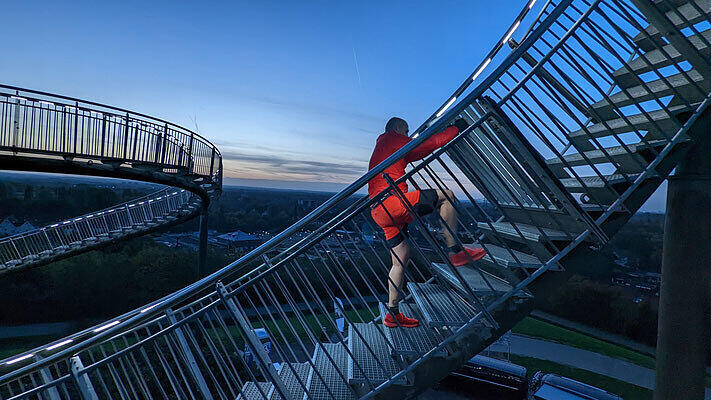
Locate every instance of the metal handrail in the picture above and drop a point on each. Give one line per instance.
(18, 90)
(59, 235)
(518, 119)
(483, 64)
(40, 123)
(137, 316)
(202, 157)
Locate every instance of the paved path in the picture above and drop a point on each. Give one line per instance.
(584, 359)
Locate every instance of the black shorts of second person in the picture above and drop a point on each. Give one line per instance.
(425, 205)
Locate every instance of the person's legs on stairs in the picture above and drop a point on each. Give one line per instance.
(396, 282)
(449, 216)
(400, 257)
(458, 255)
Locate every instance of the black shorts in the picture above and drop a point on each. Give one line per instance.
(424, 206)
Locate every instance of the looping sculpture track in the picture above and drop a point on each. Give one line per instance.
(51, 133)
(570, 134)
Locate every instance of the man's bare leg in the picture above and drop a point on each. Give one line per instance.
(400, 256)
(459, 255)
(449, 216)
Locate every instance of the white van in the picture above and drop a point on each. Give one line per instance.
(554, 387)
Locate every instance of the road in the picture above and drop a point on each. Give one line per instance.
(587, 360)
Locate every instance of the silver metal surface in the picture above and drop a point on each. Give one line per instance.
(328, 376)
(509, 258)
(528, 232)
(412, 341)
(374, 361)
(481, 282)
(293, 385)
(256, 391)
(550, 121)
(441, 305)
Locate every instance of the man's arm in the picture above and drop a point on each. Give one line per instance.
(436, 141)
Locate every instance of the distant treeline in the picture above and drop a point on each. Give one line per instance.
(605, 307)
(99, 284)
(120, 277)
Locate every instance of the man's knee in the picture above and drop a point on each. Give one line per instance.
(401, 254)
(445, 195)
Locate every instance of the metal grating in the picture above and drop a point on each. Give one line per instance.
(474, 279)
(374, 362)
(251, 392)
(290, 381)
(502, 257)
(331, 377)
(529, 232)
(441, 306)
(411, 341)
(597, 182)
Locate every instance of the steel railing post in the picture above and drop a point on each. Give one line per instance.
(190, 152)
(128, 214)
(76, 125)
(212, 161)
(265, 363)
(44, 231)
(163, 144)
(16, 123)
(192, 364)
(46, 375)
(125, 139)
(103, 135)
(82, 380)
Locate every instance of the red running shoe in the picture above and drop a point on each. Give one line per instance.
(461, 258)
(404, 321)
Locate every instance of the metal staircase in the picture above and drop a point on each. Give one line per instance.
(569, 135)
(122, 221)
(46, 132)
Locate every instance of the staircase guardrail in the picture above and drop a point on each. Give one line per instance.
(43, 244)
(569, 135)
(49, 132)
(38, 122)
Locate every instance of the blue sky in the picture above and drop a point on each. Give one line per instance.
(291, 92)
(274, 84)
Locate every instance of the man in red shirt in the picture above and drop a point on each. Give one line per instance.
(393, 217)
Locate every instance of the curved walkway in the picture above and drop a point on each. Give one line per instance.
(44, 132)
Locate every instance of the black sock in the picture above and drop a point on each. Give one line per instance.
(394, 310)
(455, 249)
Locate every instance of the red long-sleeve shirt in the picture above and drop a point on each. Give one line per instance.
(390, 142)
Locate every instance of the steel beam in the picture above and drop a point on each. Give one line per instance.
(202, 257)
(684, 320)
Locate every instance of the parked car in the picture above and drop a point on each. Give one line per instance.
(554, 387)
(486, 378)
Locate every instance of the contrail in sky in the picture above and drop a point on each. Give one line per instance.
(355, 58)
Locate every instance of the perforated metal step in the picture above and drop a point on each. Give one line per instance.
(596, 182)
(412, 341)
(655, 59)
(441, 305)
(656, 89)
(627, 157)
(689, 15)
(371, 362)
(480, 282)
(527, 232)
(251, 391)
(509, 258)
(288, 375)
(325, 376)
